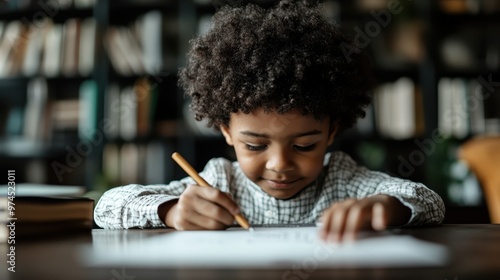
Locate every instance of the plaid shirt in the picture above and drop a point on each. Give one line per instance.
(137, 205)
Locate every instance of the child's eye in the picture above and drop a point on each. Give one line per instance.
(255, 148)
(305, 148)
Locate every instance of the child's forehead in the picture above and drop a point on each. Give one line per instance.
(272, 119)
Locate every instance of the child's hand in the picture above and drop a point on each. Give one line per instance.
(200, 208)
(344, 219)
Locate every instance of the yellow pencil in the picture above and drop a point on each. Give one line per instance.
(200, 181)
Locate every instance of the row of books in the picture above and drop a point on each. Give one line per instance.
(466, 107)
(133, 111)
(52, 5)
(398, 109)
(43, 118)
(469, 7)
(138, 163)
(130, 110)
(470, 47)
(47, 48)
(447, 6)
(51, 49)
(137, 48)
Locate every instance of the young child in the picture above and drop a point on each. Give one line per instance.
(278, 84)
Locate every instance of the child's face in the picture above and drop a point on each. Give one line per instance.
(280, 153)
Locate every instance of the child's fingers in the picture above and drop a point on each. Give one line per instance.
(197, 200)
(334, 221)
(211, 211)
(379, 216)
(197, 213)
(181, 219)
(194, 222)
(204, 222)
(336, 230)
(221, 198)
(326, 220)
(358, 218)
(322, 224)
(181, 224)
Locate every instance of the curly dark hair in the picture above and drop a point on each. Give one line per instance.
(278, 58)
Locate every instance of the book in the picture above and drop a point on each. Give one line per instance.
(11, 34)
(87, 46)
(129, 172)
(2, 25)
(33, 57)
(150, 25)
(83, 3)
(137, 48)
(14, 122)
(35, 124)
(65, 116)
(41, 209)
(115, 53)
(403, 109)
(28, 189)
(16, 57)
(87, 120)
(132, 49)
(398, 109)
(33, 211)
(51, 60)
(459, 107)
(477, 120)
(70, 47)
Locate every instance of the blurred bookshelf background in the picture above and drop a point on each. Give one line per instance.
(89, 96)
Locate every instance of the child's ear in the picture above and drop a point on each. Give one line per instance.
(333, 132)
(227, 135)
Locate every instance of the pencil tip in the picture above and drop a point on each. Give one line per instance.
(251, 229)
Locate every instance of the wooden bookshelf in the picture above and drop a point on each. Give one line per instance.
(137, 104)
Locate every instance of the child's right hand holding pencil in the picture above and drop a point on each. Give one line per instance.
(199, 208)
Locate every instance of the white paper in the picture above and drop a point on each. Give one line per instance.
(264, 248)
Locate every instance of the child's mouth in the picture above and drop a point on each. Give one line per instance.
(281, 184)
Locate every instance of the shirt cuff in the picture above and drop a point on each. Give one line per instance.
(151, 204)
(405, 202)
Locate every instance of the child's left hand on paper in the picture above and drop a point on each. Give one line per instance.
(344, 219)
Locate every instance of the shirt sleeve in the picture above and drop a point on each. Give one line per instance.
(135, 206)
(427, 207)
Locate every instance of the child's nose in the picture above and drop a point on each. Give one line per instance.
(279, 162)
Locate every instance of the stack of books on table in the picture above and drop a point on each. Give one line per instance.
(30, 211)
